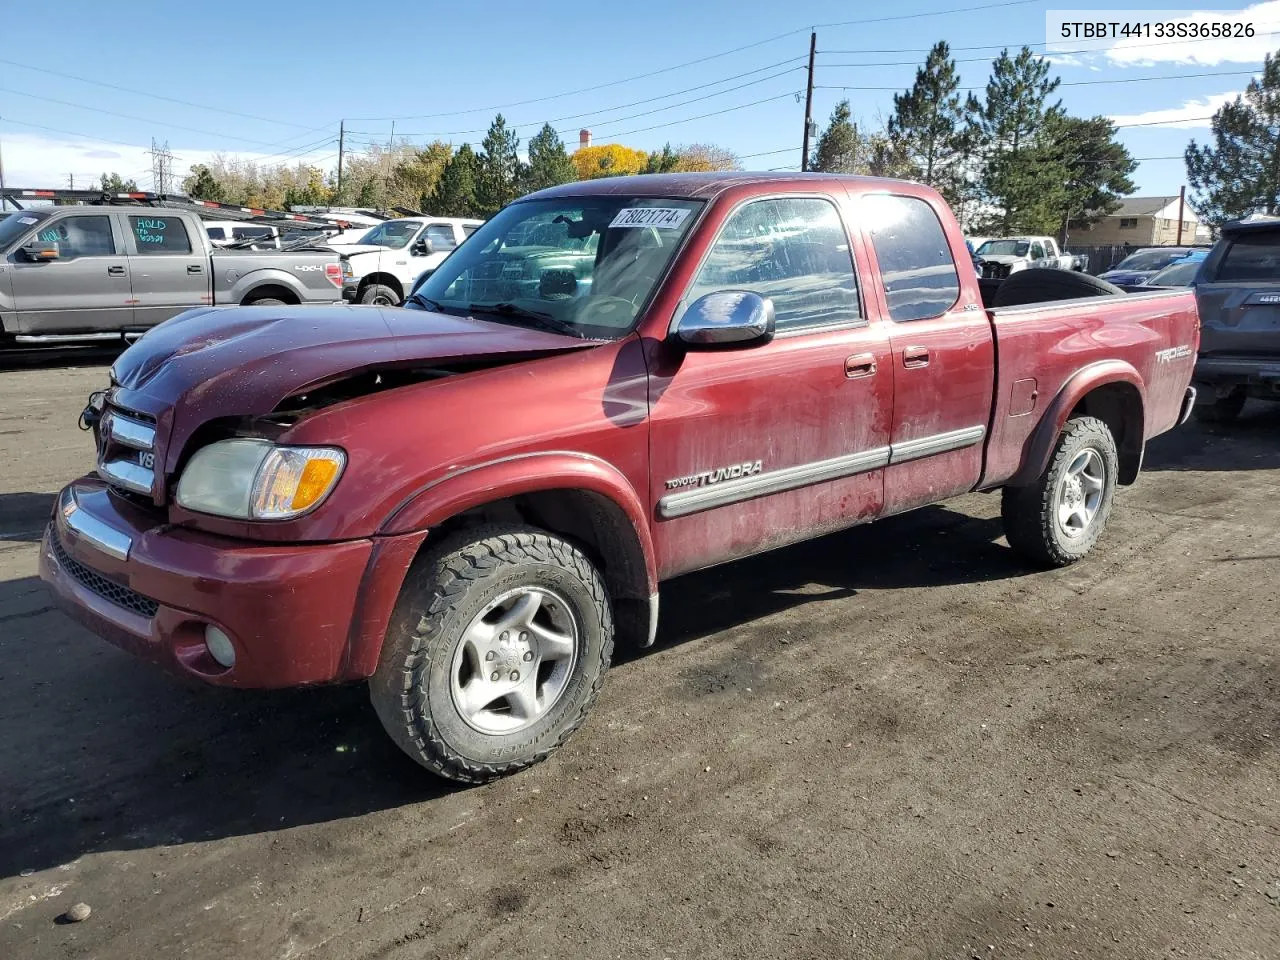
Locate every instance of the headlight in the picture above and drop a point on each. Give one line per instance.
(347, 272)
(257, 480)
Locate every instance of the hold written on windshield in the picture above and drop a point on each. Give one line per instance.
(160, 235)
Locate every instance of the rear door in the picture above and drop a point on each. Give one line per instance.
(1238, 292)
(943, 354)
(86, 290)
(169, 267)
(755, 447)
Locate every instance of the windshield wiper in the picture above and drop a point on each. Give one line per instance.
(427, 302)
(546, 321)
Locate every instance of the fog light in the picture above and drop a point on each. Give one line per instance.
(220, 647)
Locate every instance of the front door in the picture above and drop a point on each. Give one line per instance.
(756, 447)
(943, 355)
(85, 290)
(170, 272)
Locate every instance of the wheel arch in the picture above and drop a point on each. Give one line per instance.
(269, 290)
(1112, 391)
(572, 495)
(383, 278)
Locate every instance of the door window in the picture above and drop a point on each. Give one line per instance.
(916, 266)
(792, 251)
(80, 237)
(160, 235)
(1037, 251)
(441, 236)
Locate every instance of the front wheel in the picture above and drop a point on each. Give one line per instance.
(496, 651)
(1057, 519)
(380, 295)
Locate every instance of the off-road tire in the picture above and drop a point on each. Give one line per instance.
(265, 302)
(1224, 409)
(443, 591)
(1045, 284)
(1029, 513)
(373, 291)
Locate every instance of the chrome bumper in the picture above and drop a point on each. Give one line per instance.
(75, 524)
(1188, 401)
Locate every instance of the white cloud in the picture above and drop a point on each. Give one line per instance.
(36, 160)
(1145, 51)
(1192, 113)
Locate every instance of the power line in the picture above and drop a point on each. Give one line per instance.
(1156, 123)
(129, 116)
(147, 93)
(1083, 83)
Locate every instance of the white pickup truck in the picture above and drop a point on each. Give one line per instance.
(1011, 254)
(383, 265)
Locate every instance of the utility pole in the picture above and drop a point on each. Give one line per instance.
(1182, 202)
(342, 131)
(808, 104)
(161, 166)
(71, 180)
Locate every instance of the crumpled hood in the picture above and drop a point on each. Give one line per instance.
(353, 249)
(1005, 258)
(243, 361)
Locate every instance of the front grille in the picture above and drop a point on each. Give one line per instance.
(994, 271)
(126, 454)
(95, 582)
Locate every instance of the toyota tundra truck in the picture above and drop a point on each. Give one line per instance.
(467, 502)
(93, 272)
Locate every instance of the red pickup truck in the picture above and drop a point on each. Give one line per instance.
(608, 384)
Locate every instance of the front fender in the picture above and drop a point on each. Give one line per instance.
(484, 483)
(1038, 449)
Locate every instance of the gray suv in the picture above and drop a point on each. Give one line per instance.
(77, 272)
(1238, 293)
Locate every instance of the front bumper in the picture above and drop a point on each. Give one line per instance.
(350, 290)
(152, 589)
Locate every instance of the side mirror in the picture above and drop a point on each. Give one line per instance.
(727, 318)
(424, 247)
(40, 251)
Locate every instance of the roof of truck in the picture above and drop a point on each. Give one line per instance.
(692, 186)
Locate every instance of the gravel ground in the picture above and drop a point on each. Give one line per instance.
(895, 742)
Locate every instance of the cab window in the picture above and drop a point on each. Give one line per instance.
(793, 251)
(916, 266)
(80, 237)
(159, 235)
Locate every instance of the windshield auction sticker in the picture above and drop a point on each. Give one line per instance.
(1133, 37)
(664, 218)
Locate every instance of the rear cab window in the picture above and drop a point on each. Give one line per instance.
(1251, 257)
(158, 235)
(916, 265)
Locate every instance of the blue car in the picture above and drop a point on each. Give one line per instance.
(1141, 265)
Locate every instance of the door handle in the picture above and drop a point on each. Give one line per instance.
(915, 357)
(116, 271)
(860, 365)
(194, 268)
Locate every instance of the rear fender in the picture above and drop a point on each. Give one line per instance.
(486, 483)
(1039, 446)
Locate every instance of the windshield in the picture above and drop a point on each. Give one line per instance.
(393, 233)
(1150, 259)
(586, 265)
(1007, 248)
(1176, 275)
(16, 224)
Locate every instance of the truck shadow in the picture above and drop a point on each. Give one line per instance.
(23, 515)
(163, 763)
(1251, 443)
(19, 358)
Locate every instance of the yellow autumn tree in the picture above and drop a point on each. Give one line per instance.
(608, 160)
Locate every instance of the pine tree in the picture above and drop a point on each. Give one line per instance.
(455, 194)
(1239, 173)
(499, 173)
(839, 149)
(663, 162)
(203, 185)
(927, 127)
(1093, 167)
(114, 183)
(1005, 130)
(549, 164)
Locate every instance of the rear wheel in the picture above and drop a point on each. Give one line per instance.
(1058, 519)
(1224, 409)
(265, 302)
(379, 294)
(498, 646)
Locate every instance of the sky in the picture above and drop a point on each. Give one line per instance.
(272, 81)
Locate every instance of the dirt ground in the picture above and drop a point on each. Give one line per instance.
(897, 742)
